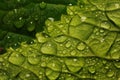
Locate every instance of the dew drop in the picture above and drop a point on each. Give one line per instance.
(73, 53)
(41, 37)
(91, 70)
(33, 58)
(49, 48)
(52, 75)
(70, 4)
(68, 44)
(31, 26)
(75, 64)
(51, 19)
(81, 46)
(43, 5)
(83, 18)
(117, 64)
(19, 23)
(60, 39)
(27, 75)
(16, 58)
(105, 25)
(117, 5)
(110, 73)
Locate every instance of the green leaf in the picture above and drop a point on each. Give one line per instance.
(83, 45)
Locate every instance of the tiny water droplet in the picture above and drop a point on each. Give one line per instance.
(105, 25)
(81, 46)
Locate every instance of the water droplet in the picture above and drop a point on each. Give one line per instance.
(51, 19)
(102, 40)
(33, 58)
(41, 37)
(75, 64)
(81, 46)
(110, 73)
(49, 48)
(52, 75)
(75, 20)
(73, 53)
(19, 23)
(91, 69)
(68, 44)
(30, 26)
(43, 5)
(60, 39)
(83, 18)
(15, 11)
(16, 58)
(101, 30)
(43, 64)
(18, 0)
(105, 25)
(117, 5)
(117, 64)
(27, 75)
(70, 4)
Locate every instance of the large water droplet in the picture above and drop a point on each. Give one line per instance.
(91, 69)
(75, 64)
(75, 21)
(83, 18)
(31, 26)
(117, 5)
(51, 19)
(16, 58)
(33, 58)
(41, 37)
(81, 46)
(54, 65)
(105, 25)
(110, 73)
(19, 23)
(117, 64)
(52, 75)
(68, 44)
(49, 48)
(73, 53)
(60, 39)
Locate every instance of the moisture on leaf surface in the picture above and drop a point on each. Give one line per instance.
(83, 45)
